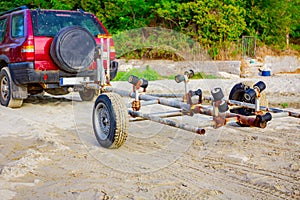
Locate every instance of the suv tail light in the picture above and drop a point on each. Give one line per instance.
(28, 49)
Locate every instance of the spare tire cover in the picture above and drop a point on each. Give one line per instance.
(72, 49)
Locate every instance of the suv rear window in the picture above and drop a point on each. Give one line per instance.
(48, 23)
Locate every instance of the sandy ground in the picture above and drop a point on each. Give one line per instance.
(48, 151)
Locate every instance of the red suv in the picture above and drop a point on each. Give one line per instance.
(51, 51)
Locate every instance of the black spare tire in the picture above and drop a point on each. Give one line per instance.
(72, 49)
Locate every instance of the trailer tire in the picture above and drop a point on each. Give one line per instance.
(110, 120)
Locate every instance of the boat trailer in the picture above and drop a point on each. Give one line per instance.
(111, 116)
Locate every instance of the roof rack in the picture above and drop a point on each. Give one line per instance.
(15, 9)
(80, 10)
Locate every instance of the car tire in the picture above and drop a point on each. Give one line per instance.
(87, 94)
(73, 48)
(57, 91)
(110, 120)
(6, 85)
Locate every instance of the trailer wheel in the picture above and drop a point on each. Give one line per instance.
(237, 93)
(6, 84)
(110, 120)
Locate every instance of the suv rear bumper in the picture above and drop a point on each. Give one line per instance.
(24, 73)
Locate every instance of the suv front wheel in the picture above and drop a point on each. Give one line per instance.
(6, 84)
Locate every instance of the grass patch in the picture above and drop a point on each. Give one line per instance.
(152, 75)
(295, 47)
(148, 74)
(284, 105)
(202, 75)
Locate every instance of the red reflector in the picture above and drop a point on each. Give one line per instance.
(45, 77)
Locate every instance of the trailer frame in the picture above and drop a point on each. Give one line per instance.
(113, 116)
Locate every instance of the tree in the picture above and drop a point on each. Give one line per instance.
(214, 24)
(272, 20)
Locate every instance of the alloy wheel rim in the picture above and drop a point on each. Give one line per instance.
(4, 88)
(102, 121)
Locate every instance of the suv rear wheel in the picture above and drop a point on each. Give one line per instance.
(6, 85)
(87, 94)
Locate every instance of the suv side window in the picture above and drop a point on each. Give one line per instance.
(2, 29)
(17, 26)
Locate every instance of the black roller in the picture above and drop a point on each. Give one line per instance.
(265, 118)
(189, 73)
(197, 92)
(223, 107)
(133, 80)
(192, 73)
(249, 94)
(144, 83)
(113, 69)
(261, 85)
(179, 78)
(217, 94)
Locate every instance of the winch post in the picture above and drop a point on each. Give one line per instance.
(219, 107)
(257, 106)
(101, 78)
(108, 58)
(136, 85)
(184, 78)
(255, 93)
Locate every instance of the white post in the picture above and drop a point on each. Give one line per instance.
(108, 58)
